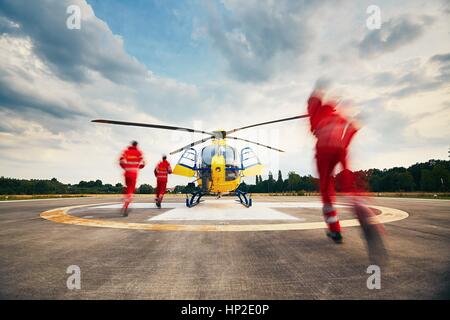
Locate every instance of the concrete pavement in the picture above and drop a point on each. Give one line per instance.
(295, 264)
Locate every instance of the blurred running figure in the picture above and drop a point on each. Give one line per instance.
(131, 162)
(162, 170)
(334, 134)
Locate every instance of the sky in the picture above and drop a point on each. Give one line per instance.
(217, 65)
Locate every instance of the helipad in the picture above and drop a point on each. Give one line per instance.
(218, 211)
(222, 210)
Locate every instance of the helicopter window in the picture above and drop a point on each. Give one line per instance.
(228, 152)
(207, 154)
(188, 159)
(231, 174)
(230, 156)
(249, 158)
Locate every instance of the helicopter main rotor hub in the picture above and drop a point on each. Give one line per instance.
(220, 134)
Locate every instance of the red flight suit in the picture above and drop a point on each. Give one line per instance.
(131, 161)
(334, 134)
(162, 170)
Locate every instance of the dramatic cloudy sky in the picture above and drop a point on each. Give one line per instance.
(217, 64)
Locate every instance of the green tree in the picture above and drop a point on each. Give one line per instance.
(293, 181)
(405, 181)
(307, 183)
(427, 180)
(146, 189)
(179, 189)
(441, 177)
(279, 183)
(375, 183)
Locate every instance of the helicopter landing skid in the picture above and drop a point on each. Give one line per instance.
(193, 199)
(244, 198)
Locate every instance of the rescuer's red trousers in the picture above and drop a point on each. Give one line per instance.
(130, 187)
(161, 186)
(327, 159)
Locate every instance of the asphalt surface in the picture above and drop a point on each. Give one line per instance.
(141, 264)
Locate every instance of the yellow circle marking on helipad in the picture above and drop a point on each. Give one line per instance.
(61, 215)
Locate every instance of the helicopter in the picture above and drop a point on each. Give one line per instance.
(217, 168)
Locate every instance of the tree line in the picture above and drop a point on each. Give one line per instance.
(293, 183)
(431, 176)
(10, 186)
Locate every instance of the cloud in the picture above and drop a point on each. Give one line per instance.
(392, 137)
(27, 86)
(424, 77)
(383, 79)
(53, 81)
(47, 68)
(441, 58)
(443, 63)
(72, 53)
(8, 26)
(256, 38)
(421, 86)
(446, 6)
(414, 77)
(393, 34)
(21, 98)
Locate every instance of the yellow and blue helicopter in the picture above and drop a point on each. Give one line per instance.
(218, 168)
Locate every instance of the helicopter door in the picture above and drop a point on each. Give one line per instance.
(186, 166)
(250, 163)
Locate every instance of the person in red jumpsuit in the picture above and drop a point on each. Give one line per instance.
(334, 134)
(131, 161)
(162, 170)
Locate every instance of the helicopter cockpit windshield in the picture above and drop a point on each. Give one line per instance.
(210, 151)
(230, 159)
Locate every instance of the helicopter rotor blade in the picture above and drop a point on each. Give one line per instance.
(268, 122)
(149, 125)
(191, 145)
(258, 144)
